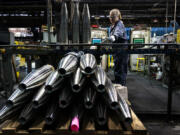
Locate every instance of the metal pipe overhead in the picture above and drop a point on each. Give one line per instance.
(175, 7)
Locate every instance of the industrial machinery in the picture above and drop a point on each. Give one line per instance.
(140, 36)
(53, 35)
(97, 36)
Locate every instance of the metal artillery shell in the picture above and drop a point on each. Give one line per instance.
(86, 24)
(36, 78)
(77, 117)
(112, 94)
(75, 124)
(100, 80)
(40, 98)
(52, 113)
(8, 112)
(78, 81)
(27, 114)
(89, 98)
(75, 24)
(124, 109)
(53, 81)
(74, 54)
(88, 63)
(64, 24)
(101, 113)
(67, 65)
(65, 98)
(18, 97)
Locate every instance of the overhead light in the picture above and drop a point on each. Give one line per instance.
(102, 16)
(166, 21)
(97, 17)
(155, 20)
(155, 4)
(5, 14)
(131, 18)
(156, 9)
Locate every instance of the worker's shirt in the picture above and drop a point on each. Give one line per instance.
(118, 30)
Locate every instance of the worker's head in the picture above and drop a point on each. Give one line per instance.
(114, 16)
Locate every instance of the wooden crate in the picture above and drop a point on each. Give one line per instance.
(12, 127)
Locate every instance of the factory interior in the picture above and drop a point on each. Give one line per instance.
(101, 67)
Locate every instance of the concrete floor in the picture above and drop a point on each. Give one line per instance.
(148, 96)
(162, 128)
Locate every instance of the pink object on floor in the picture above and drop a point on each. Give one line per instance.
(75, 124)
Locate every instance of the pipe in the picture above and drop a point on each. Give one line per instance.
(49, 18)
(175, 8)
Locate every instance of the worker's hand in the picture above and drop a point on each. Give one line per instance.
(111, 38)
(105, 40)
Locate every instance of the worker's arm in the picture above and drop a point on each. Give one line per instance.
(119, 32)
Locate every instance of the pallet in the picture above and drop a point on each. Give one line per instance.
(12, 127)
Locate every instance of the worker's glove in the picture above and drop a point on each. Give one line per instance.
(111, 38)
